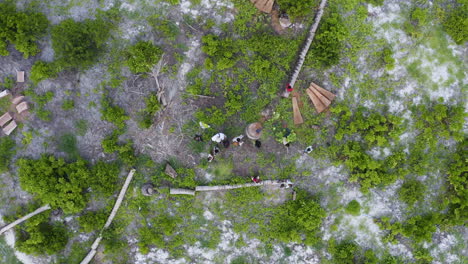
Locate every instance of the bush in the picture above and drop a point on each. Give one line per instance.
(42, 70)
(78, 44)
(147, 114)
(344, 252)
(125, 150)
(21, 29)
(92, 220)
(67, 143)
(142, 56)
(329, 41)
(113, 113)
(7, 150)
(302, 216)
(38, 237)
(353, 208)
(456, 24)
(68, 104)
(411, 191)
(105, 177)
(296, 8)
(55, 182)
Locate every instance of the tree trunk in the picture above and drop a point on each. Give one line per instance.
(306, 47)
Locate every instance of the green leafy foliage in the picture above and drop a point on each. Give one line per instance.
(419, 228)
(412, 191)
(329, 42)
(78, 44)
(457, 196)
(41, 101)
(21, 29)
(68, 144)
(343, 252)
(370, 172)
(126, 153)
(143, 56)
(105, 177)
(222, 52)
(40, 237)
(92, 220)
(303, 216)
(353, 208)
(68, 104)
(55, 182)
(296, 8)
(113, 113)
(160, 229)
(112, 238)
(374, 128)
(42, 70)
(456, 23)
(147, 114)
(7, 150)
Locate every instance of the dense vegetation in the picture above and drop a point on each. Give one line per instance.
(63, 185)
(21, 29)
(143, 56)
(7, 150)
(78, 44)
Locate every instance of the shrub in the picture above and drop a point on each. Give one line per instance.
(81, 127)
(142, 56)
(105, 177)
(113, 113)
(56, 182)
(38, 237)
(92, 220)
(296, 8)
(21, 29)
(147, 114)
(353, 208)
(421, 227)
(125, 150)
(456, 24)
(302, 216)
(78, 44)
(42, 70)
(68, 104)
(344, 252)
(7, 150)
(67, 144)
(329, 41)
(411, 191)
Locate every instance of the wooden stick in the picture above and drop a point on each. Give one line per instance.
(331, 96)
(320, 96)
(118, 202)
(317, 103)
(306, 47)
(24, 218)
(297, 113)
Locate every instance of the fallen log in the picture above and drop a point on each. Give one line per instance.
(24, 218)
(306, 47)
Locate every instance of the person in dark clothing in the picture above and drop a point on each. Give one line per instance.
(256, 179)
(198, 138)
(226, 143)
(258, 144)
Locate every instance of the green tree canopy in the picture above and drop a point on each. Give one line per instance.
(78, 44)
(56, 182)
(21, 29)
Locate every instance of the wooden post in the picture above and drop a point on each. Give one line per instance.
(317, 103)
(297, 113)
(321, 97)
(24, 218)
(331, 96)
(306, 47)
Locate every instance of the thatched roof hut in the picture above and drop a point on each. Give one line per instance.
(148, 189)
(5, 118)
(10, 127)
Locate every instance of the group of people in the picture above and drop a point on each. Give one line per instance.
(221, 138)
